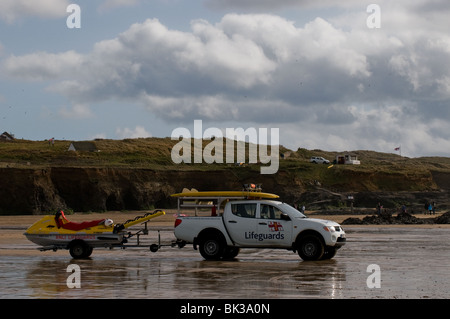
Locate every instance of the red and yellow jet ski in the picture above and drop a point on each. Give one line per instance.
(55, 232)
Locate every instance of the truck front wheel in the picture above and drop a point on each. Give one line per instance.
(329, 253)
(211, 248)
(310, 247)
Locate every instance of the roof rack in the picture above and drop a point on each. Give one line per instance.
(214, 199)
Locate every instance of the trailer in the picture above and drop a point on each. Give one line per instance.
(54, 232)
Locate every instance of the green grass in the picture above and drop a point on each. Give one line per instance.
(377, 170)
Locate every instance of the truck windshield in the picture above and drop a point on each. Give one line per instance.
(291, 211)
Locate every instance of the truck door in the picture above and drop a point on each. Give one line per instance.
(272, 228)
(241, 223)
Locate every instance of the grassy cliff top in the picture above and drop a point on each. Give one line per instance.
(155, 153)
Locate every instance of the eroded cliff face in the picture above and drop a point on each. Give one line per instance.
(25, 191)
(37, 191)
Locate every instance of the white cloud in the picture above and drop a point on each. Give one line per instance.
(138, 131)
(377, 128)
(12, 10)
(270, 5)
(226, 59)
(362, 88)
(44, 66)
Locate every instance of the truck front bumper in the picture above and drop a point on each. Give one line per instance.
(340, 241)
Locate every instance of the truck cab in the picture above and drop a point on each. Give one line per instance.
(258, 224)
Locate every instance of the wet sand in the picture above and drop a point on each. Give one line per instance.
(414, 262)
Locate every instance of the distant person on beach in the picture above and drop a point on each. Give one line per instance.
(426, 207)
(430, 208)
(379, 208)
(434, 208)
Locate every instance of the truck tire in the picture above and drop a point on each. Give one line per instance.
(329, 253)
(79, 249)
(212, 247)
(310, 247)
(230, 252)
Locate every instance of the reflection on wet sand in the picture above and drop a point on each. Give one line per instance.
(119, 278)
(253, 279)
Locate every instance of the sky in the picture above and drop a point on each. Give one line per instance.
(331, 75)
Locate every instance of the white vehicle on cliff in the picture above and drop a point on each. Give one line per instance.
(252, 219)
(318, 160)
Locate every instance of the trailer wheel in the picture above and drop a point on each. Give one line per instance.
(211, 248)
(180, 243)
(79, 249)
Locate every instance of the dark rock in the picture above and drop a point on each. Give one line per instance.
(443, 219)
(405, 218)
(386, 218)
(352, 221)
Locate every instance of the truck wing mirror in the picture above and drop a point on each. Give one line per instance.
(285, 216)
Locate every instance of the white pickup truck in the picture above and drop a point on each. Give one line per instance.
(259, 223)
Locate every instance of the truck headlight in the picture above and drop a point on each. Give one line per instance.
(331, 229)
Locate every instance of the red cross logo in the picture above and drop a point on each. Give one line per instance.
(275, 226)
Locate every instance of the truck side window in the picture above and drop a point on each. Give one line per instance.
(244, 210)
(270, 212)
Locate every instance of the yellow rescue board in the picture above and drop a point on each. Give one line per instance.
(227, 194)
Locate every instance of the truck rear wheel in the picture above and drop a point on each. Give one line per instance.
(310, 247)
(231, 252)
(211, 248)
